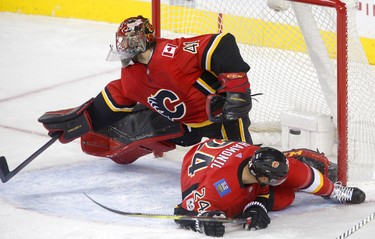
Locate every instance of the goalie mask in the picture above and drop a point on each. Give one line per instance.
(271, 163)
(134, 35)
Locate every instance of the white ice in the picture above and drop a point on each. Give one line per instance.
(52, 63)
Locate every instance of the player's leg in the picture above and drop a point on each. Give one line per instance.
(281, 197)
(237, 130)
(194, 135)
(310, 180)
(307, 179)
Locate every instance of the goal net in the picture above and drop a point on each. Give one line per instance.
(306, 58)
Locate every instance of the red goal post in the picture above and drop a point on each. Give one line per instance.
(306, 56)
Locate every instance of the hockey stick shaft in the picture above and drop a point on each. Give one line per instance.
(357, 226)
(6, 175)
(167, 216)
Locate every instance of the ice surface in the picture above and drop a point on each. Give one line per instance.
(53, 63)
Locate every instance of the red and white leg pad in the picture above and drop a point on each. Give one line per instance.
(100, 145)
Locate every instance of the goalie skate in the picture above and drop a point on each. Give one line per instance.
(344, 194)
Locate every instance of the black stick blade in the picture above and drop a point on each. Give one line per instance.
(4, 169)
(5, 174)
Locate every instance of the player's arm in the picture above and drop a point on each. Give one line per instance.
(222, 57)
(110, 106)
(92, 115)
(201, 207)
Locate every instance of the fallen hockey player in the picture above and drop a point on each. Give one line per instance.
(239, 180)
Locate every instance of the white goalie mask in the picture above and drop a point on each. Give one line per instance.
(133, 36)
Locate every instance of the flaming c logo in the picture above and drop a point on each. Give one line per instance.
(168, 104)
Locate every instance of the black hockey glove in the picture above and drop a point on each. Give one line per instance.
(256, 215)
(72, 123)
(214, 229)
(233, 98)
(232, 106)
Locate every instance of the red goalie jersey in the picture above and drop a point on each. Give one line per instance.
(178, 78)
(211, 179)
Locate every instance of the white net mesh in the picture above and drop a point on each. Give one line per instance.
(292, 54)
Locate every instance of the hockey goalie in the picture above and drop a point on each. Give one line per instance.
(171, 91)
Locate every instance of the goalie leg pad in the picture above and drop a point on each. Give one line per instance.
(100, 145)
(133, 136)
(316, 160)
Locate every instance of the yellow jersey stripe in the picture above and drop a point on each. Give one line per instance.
(112, 107)
(205, 86)
(211, 51)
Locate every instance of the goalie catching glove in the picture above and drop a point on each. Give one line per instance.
(233, 98)
(72, 123)
(256, 215)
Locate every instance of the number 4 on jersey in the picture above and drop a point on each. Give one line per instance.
(200, 161)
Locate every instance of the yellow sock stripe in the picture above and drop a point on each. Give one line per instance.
(317, 184)
(223, 132)
(242, 133)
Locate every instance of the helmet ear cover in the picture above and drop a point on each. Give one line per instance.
(270, 163)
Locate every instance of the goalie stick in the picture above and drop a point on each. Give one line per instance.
(5, 174)
(167, 216)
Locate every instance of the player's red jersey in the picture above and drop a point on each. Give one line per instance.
(179, 76)
(211, 177)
